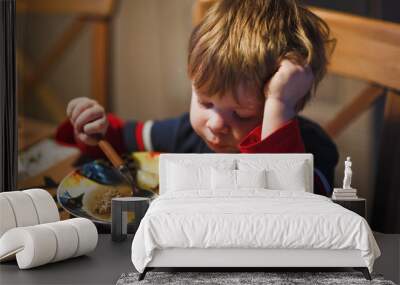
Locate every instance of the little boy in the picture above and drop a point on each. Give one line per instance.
(253, 65)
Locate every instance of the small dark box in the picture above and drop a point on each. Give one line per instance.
(119, 215)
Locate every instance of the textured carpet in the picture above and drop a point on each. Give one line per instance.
(229, 278)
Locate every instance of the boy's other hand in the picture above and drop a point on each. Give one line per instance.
(289, 84)
(88, 119)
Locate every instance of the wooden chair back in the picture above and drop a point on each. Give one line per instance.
(93, 14)
(367, 49)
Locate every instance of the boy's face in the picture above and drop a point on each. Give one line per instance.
(221, 121)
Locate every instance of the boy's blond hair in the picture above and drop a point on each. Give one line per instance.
(243, 41)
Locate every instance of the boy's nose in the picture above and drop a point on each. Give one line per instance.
(217, 124)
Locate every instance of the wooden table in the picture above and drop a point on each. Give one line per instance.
(31, 132)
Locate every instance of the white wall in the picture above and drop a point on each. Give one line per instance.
(150, 53)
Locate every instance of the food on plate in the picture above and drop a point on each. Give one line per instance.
(98, 202)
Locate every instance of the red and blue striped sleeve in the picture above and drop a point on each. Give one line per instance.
(65, 135)
(168, 135)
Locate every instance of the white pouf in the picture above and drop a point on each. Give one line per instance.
(87, 235)
(40, 244)
(45, 205)
(33, 246)
(66, 238)
(7, 218)
(23, 208)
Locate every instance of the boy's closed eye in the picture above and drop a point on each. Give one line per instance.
(242, 117)
(237, 114)
(206, 105)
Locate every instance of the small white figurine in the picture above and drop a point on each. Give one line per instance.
(347, 174)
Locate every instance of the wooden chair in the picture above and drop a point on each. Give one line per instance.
(96, 15)
(367, 49)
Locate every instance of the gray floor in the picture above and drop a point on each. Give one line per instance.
(103, 266)
(110, 260)
(389, 262)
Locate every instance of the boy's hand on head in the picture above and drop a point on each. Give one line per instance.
(88, 119)
(289, 84)
(283, 91)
